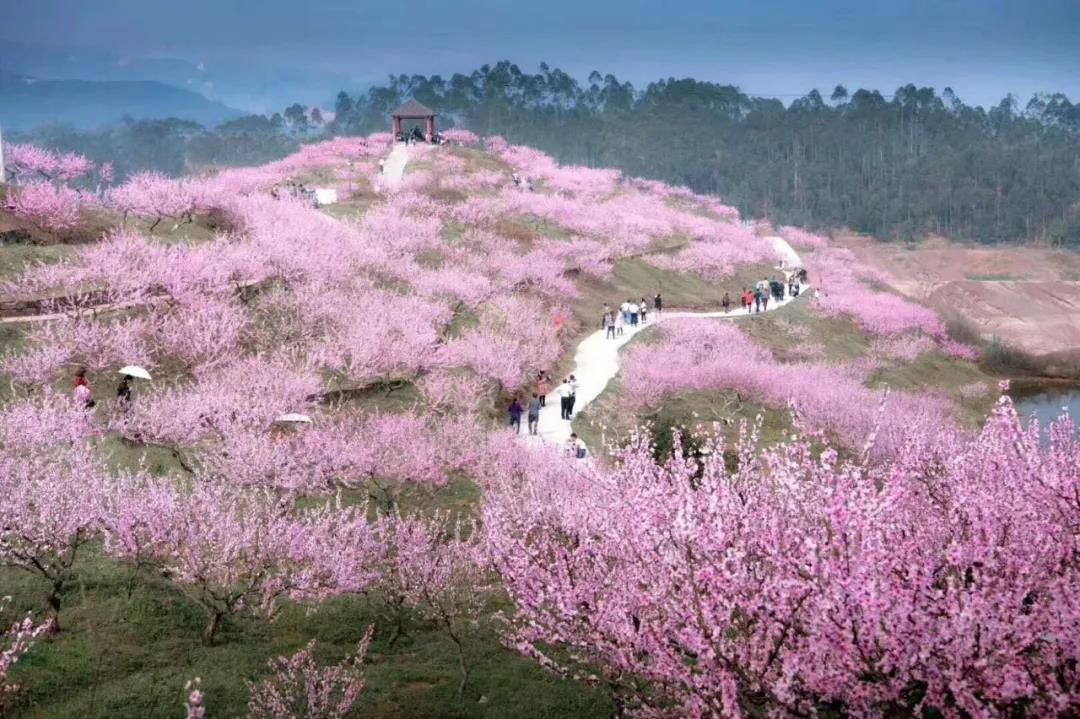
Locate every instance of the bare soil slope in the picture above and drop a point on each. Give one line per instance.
(1029, 297)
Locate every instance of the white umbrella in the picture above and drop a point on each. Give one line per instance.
(294, 417)
(135, 371)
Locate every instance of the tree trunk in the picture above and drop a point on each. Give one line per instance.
(54, 604)
(211, 630)
(399, 627)
(461, 655)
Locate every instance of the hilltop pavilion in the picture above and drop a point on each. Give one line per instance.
(413, 110)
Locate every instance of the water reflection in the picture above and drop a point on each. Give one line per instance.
(1046, 404)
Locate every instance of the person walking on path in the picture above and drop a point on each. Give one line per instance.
(542, 388)
(515, 414)
(564, 398)
(747, 300)
(534, 414)
(757, 299)
(609, 323)
(572, 386)
(633, 313)
(765, 300)
(644, 309)
(619, 324)
(658, 304)
(726, 303)
(625, 309)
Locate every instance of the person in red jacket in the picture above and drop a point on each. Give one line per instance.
(83, 396)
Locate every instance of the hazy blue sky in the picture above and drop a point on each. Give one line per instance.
(982, 48)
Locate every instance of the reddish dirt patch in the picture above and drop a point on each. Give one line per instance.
(1028, 296)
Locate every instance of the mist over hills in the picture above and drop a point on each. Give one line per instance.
(251, 87)
(28, 102)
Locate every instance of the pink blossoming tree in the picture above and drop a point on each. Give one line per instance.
(300, 687)
(15, 640)
(935, 581)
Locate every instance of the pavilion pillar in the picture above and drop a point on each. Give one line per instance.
(395, 127)
(431, 128)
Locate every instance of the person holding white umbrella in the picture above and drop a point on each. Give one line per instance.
(123, 392)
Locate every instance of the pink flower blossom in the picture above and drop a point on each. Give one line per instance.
(795, 578)
(49, 207)
(301, 688)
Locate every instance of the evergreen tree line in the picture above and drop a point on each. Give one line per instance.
(897, 168)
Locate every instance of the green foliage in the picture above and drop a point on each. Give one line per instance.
(1003, 359)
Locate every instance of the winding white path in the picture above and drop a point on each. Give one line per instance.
(596, 361)
(394, 168)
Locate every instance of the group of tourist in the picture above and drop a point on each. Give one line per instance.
(630, 314)
(84, 396)
(295, 190)
(415, 136)
(567, 393)
(757, 300)
(527, 183)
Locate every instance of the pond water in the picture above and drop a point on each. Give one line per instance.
(1046, 403)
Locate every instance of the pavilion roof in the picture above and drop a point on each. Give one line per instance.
(412, 108)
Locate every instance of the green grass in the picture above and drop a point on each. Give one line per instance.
(476, 160)
(993, 277)
(936, 371)
(129, 656)
(15, 257)
(840, 338)
(603, 421)
(545, 227)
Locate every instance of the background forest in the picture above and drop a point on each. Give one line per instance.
(898, 167)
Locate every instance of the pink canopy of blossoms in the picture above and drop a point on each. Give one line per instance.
(705, 354)
(50, 207)
(30, 163)
(839, 288)
(884, 562)
(940, 580)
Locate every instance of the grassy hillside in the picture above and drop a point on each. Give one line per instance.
(433, 301)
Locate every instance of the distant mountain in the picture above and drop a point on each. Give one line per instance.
(27, 103)
(253, 87)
